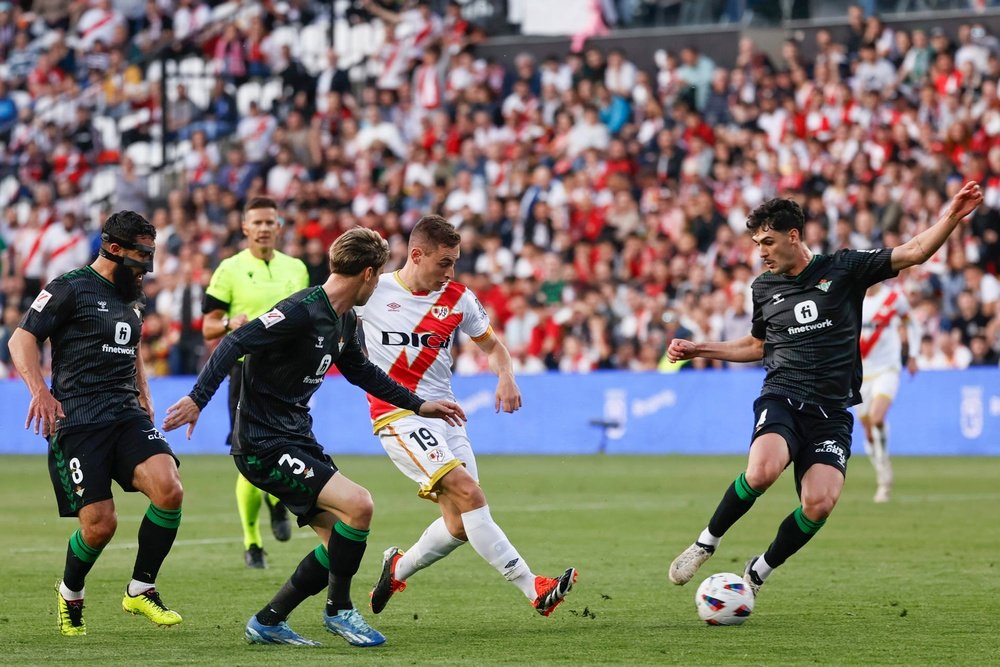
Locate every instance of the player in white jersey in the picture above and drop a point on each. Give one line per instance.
(410, 325)
(884, 345)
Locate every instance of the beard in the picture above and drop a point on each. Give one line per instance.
(125, 283)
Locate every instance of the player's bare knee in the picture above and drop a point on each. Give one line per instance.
(818, 506)
(170, 496)
(463, 490)
(760, 476)
(361, 510)
(98, 531)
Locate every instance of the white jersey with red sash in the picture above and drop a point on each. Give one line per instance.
(880, 342)
(410, 336)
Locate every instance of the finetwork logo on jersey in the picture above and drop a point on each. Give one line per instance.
(805, 313)
(117, 349)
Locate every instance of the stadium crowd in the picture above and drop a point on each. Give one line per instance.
(601, 201)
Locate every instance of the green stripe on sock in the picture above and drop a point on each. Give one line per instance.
(806, 525)
(352, 534)
(322, 556)
(163, 518)
(83, 551)
(744, 490)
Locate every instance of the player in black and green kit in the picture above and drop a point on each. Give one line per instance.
(98, 416)
(806, 324)
(242, 288)
(289, 350)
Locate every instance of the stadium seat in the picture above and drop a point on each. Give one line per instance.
(200, 90)
(271, 92)
(287, 36)
(155, 71)
(108, 129)
(22, 98)
(142, 154)
(224, 11)
(314, 44)
(191, 67)
(8, 188)
(102, 185)
(247, 93)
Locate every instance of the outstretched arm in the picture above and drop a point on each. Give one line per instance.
(923, 246)
(359, 371)
(508, 396)
(743, 349)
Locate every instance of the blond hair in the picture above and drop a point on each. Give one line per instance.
(357, 249)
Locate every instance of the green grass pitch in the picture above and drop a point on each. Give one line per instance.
(914, 582)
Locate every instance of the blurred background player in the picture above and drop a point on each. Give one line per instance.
(246, 286)
(409, 326)
(98, 417)
(884, 345)
(288, 351)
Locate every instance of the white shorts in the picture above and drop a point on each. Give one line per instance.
(425, 450)
(880, 383)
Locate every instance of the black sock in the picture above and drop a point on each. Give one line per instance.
(347, 546)
(80, 557)
(793, 533)
(156, 535)
(736, 502)
(310, 577)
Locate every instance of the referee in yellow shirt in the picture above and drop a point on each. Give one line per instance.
(243, 287)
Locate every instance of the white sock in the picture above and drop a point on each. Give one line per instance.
(433, 545)
(762, 569)
(136, 587)
(489, 541)
(708, 539)
(69, 595)
(880, 456)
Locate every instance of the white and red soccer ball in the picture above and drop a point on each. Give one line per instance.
(724, 599)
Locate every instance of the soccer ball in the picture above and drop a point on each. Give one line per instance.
(724, 599)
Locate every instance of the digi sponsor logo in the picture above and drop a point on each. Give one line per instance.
(414, 339)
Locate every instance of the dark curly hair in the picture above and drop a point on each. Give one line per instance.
(127, 226)
(781, 215)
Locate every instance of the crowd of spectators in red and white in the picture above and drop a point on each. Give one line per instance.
(601, 201)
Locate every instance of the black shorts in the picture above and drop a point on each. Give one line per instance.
(814, 434)
(83, 462)
(294, 474)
